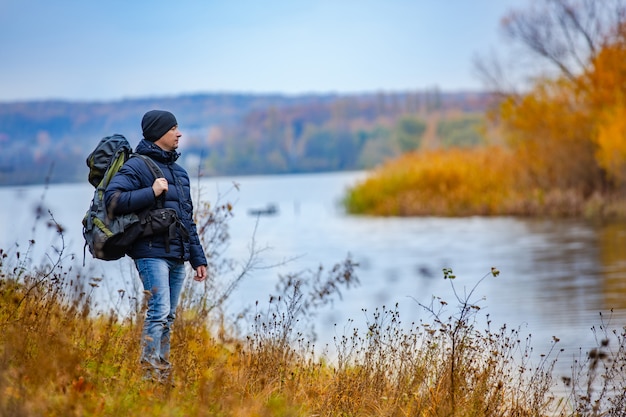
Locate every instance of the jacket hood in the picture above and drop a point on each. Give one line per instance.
(153, 151)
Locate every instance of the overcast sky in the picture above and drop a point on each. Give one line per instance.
(115, 49)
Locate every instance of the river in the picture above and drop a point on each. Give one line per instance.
(556, 276)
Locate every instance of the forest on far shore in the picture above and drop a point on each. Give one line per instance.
(242, 134)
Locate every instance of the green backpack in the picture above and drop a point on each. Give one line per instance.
(109, 237)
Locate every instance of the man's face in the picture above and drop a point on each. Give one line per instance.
(169, 141)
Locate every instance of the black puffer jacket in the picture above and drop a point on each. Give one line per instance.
(130, 191)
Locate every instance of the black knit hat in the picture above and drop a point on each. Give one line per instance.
(156, 123)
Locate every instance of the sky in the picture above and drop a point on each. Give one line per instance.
(115, 49)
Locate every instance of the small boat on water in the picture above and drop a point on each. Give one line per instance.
(269, 210)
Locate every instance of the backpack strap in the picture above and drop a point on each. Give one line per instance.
(154, 168)
(156, 172)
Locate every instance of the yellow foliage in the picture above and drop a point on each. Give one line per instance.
(611, 139)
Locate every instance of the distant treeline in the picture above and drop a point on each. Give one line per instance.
(240, 134)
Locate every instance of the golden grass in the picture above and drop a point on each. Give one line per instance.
(60, 358)
(452, 182)
(467, 182)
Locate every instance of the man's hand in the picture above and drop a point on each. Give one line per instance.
(159, 186)
(200, 273)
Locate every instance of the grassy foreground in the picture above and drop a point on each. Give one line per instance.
(60, 358)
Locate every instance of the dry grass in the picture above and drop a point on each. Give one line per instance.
(452, 182)
(59, 358)
(465, 182)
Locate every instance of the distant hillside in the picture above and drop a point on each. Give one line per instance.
(229, 134)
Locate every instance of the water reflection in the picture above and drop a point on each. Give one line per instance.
(612, 247)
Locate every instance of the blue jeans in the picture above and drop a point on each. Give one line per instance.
(163, 279)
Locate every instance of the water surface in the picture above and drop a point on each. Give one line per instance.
(556, 276)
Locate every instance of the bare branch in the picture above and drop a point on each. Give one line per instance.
(566, 34)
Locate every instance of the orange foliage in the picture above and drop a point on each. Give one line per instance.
(605, 82)
(550, 132)
(611, 140)
(571, 135)
(605, 86)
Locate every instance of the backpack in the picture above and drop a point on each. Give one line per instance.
(109, 237)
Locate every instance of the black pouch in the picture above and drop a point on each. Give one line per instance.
(159, 221)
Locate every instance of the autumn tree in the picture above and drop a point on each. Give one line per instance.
(567, 128)
(604, 86)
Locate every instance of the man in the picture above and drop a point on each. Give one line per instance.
(160, 262)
